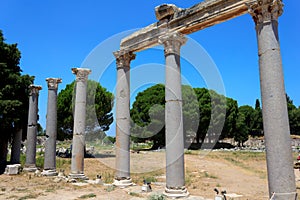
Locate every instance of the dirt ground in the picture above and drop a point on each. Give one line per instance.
(242, 173)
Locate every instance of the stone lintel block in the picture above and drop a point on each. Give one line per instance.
(186, 21)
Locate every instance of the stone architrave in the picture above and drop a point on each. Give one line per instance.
(78, 144)
(30, 164)
(175, 176)
(122, 176)
(281, 177)
(51, 128)
(16, 147)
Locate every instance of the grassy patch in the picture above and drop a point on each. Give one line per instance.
(134, 194)
(62, 163)
(107, 177)
(156, 197)
(12, 197)
(29, 196)
(148, 176)
(87, 196)
(206, 175)
(110, 188)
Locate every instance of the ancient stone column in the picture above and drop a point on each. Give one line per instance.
(281, 178)
(122, 176)
(30, 164)
(78, 145)
(51, 128)
(175, 180)
(16, 147)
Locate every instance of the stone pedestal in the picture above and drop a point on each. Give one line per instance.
(281, 178)
(77, 164)
(16, 147)
(175, 180)
(51, 128)
(30, 164)
(122, 176)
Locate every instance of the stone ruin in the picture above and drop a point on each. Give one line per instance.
(170, 30)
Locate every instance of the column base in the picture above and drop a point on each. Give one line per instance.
(29, 168)
(49, 172)
(126, 182)
(176, 193)
(78, 176)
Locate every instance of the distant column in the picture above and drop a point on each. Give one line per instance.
(51, 128)
(78, 144)
(175, 186)
(122, 177)
(281, 177)
(16, 147)
(30, 164)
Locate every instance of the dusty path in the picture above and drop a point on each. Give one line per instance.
(240, 174)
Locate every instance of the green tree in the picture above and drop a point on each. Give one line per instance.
(13, 96)
(294, 116)
(257, 121)
(242, 130)
(148, 115)
(244, 124)
(204, 104)
(230, 119)
(98, 110)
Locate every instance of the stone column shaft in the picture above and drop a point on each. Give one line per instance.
(16, 147)
(281, 178)
(175, 176)
(122, 176)
(51, 128)
(30, 164)
(78, 145)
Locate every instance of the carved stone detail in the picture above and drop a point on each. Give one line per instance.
(53, 83)
(124, 58)
(81, 74)
(172, 42)
(34, 89)
(266, 10)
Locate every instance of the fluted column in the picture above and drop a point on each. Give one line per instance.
(30, 164)
(78, 144)
(175, 180)
(281, 178)
(122, 176)
(51, 128)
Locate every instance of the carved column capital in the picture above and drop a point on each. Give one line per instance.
(81, 74)
(266, 10)
(172, 42)
(34, 89)
(123, 58)
(53, 83)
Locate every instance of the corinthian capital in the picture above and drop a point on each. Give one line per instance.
(265, 10)
(124, 58)
(34, 89)
(172, 42)
(53, 83)
(81, 74)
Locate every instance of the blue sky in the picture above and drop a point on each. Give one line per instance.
(54, 36)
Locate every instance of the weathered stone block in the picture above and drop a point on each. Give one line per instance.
(12, 169)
